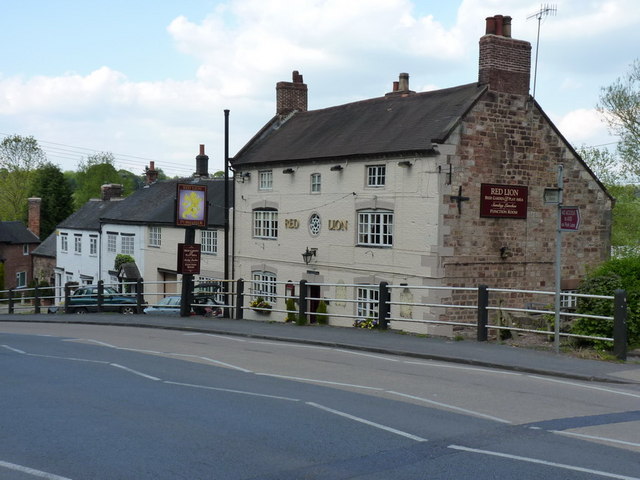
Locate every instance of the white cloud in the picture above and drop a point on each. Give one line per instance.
(584, 126)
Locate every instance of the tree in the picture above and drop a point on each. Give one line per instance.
(96, 171)
(620, 105)
(19, 157)
(50, 184)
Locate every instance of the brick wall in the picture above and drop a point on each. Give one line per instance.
(291, 96)
(507, 140)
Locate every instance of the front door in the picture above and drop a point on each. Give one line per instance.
(314, 296)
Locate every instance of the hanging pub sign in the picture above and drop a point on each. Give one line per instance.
(503, 201)
(191, 207)
(188, 259)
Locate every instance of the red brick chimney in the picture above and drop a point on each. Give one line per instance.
(34, 216)
(151, 173)
(505, 63)
(111, 191)
(291, 96)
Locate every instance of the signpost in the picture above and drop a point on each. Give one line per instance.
(569, 219)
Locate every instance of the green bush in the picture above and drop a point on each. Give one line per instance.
(618, 273)
(291, 310)
(323, 319)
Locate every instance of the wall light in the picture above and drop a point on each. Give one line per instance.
(306, 256)
(336, 168)
(288, 170)
(405, 163)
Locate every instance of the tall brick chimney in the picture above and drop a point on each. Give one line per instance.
(291, 96)
(151, 173)
(111, 191)
(505, 63)
(34, 215)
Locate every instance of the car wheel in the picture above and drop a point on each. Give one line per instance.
(80, 311)
(128, 310)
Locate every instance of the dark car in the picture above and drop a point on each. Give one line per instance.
(85, 299)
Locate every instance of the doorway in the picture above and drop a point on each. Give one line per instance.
(314, 296)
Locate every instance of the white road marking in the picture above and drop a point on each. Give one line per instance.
(458, 367)
(31, 471)
(225, 337)
(135, 372)
(544, 462)
(592, 437)
(590, 387)
(312, 380)
(450, 407)
(12, 349)
(211, 360)
(367, 422)
(228, 390)
(378, 357)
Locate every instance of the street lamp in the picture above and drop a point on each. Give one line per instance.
(306, 256)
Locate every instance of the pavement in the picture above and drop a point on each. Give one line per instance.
(467, 352)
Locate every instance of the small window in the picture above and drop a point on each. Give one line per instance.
(567, 300)
(375, 228)
(368, 299)
(264, 285)
(315, 224)
(315, 182)
(93, 245)
(64, 242)
(209, 242)
(126, 247)
(265, 180)
(265, 224)
(25, 249)
(111, 242)
(376, 175)
(155, 236)
(21, 279)
(77, 243)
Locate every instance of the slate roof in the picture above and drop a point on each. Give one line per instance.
(88, 216)
(47, 248)
(155, 204)
(16, 233)
(387, 125)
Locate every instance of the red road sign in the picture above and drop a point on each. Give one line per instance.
(569, 218)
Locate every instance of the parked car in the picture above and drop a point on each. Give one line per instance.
(166, 306)
(85, 300)
(202, 305)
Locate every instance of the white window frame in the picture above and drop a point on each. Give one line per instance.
(568, 301)
(77, 243)
(265, 224)
(21, 279)
(112, 242)
(265, 180)
(368, 302)
(264, 285)
(316, 182)
(25, 249)
(64, 242)
(375, 228)
(376, 175)
(93, 245)
(209, 242)
(127, 244)
(155, 236)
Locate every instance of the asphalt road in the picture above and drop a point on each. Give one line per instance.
(104, 402)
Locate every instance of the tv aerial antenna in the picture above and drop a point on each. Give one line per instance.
(545, 11)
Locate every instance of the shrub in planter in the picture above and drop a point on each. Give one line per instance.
(323, 319)
(291, 310)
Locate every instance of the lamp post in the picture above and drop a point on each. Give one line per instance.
(307, 254)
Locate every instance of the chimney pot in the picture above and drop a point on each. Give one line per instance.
(404, 82)
(506, 26)
(498, 21)
(491, 26)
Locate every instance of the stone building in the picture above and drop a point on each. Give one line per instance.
(441, 188)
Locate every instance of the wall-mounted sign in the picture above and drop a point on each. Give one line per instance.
(191, 208)
(503, 201)
(569, 218)
(291, 223)
(341, 225)
(188, 259)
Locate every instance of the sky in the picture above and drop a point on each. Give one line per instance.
(150, 79)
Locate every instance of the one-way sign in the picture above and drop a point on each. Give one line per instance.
(569, 218)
